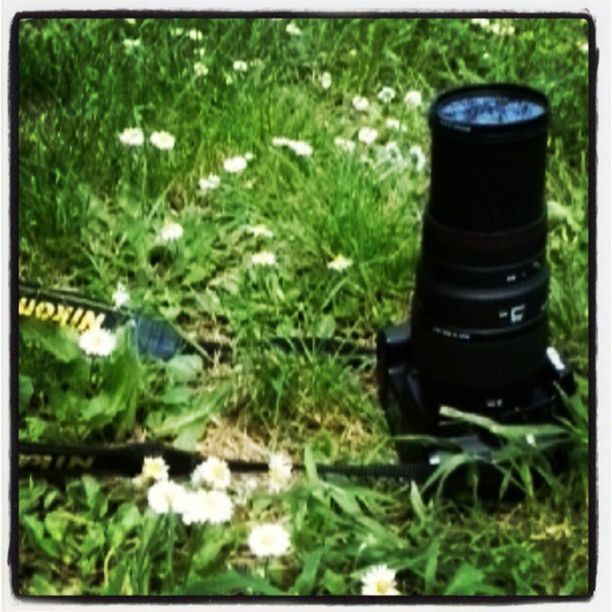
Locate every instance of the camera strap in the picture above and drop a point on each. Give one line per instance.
(157, 338)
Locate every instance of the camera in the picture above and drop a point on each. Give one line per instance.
(477, 335)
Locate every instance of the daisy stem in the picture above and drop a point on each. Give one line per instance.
(170, 549)
(92, 373)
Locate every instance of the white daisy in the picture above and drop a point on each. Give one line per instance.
(240, 66)
(207, 507)
(154, 468)
(170, 232)
(264, 258)
(259, 230)
(417, 155)
(325, 80)
(132, 137)
(482, 22)
(367, 135)
(391, 153)
(235, 165)
(162, 140)
(279, 472)
(249, 156)
(243, 489)
(530, 439)
(413, 99)
(360, 103)
(269, 540)
(120, 296)
(131, 43)
(177, 31)
(213, 472)
(339, 263)
(300, 148)
(386, 94)
(195, 35)
(200, 69)
(344, 144)
(392, 123)
(167, 496)
(379, 580)
(212, 181)
(130, 20)
(280, 141)
(501, 28)
(293, 30)
(97, 342)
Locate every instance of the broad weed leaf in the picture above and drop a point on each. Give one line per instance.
(185, 368)
(59, 341)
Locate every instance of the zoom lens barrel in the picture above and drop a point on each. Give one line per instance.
(478, 313)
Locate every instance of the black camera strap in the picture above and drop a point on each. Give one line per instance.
(159, 339)
(126, 460)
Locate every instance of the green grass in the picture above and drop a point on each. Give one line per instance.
(89, 212)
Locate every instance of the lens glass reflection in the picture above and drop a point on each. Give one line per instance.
(489, 109)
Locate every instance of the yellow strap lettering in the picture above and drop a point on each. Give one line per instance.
(26, 308)
(82, 462)
(44, 311)
(89, 320)
(63, 314)
(40, 461)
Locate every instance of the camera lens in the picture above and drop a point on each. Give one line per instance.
(479, 306)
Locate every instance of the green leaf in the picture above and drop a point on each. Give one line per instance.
(92, 546)
(26, 390)
(56, 524)
(447, 466)
(558, 212)
(176, 395)
(431, 565)
(468, 580)
(126, 518)
(417, 501)
(117, 399)
(119, 581)
(197, 273)
(99, 410)
(506, 431)
(58, 341)
(190, 435)
(310, 465)
(35, 428)
(334, 583)
(209, 551)
(40, 585)
(304, 583)
(206, 406)
(185, 368)
(326, 326)
(36, 531)
(230, 582)
(96, 500)
(345, 500)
